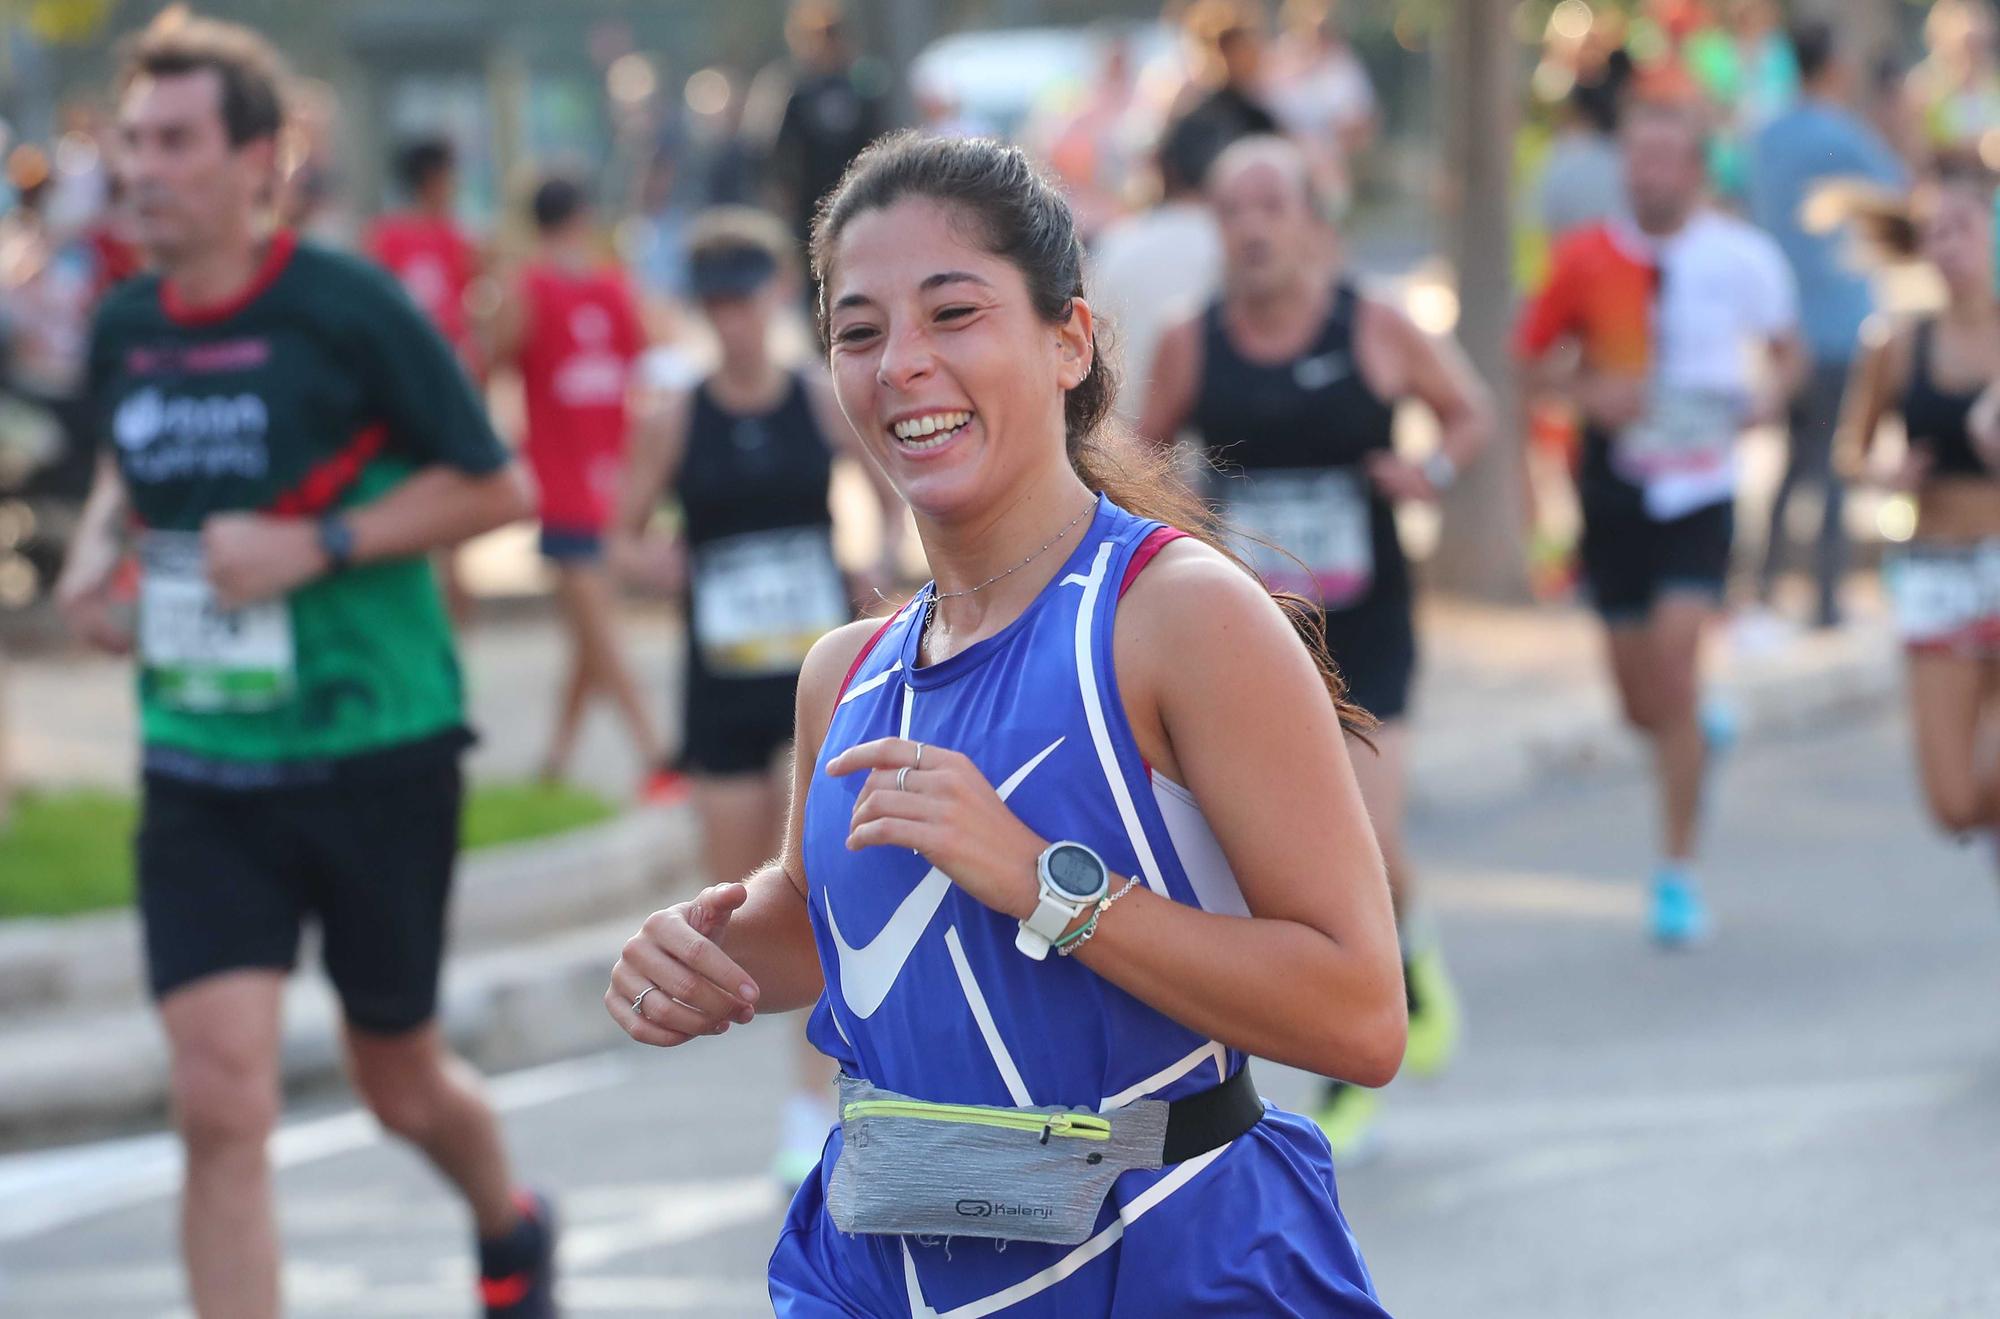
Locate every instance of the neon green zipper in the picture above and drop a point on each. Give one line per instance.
(1076, 1126)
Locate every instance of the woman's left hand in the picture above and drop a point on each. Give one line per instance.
(944, 809)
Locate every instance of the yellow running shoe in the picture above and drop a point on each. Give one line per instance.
(1434, 1015)
(1347, 1116)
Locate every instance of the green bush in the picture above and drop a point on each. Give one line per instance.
(68, 852)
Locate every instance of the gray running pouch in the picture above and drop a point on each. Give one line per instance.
(913, 1168)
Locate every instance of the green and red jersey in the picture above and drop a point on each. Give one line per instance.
(320, 387)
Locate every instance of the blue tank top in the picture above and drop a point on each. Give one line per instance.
(926, 993)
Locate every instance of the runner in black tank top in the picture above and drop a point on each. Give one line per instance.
(1288, 443)
(748, 455)
(762, 583)
(1290, 383)
(1938, 375)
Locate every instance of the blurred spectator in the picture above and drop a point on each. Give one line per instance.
(1178, 235)
(1818, 140)
(816, 114)
(1225, 102)
(1089, 143)
(1321, 93)
(940, 114)
(1583, 179)
(423, 245)
(1746, 69)
(114, 250)
(47, 288)
(1659, 37)
(1955, 91)
(1887, 108)
(573, 328)
(730, 167)
(655, 236)
(437, 264)
(310, 200)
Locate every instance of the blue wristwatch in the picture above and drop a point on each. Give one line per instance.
(336, 541)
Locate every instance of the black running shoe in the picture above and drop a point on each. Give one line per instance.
(517, 1272)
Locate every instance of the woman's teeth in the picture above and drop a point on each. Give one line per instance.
(928, 432)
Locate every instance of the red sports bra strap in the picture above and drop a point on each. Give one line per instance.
(1159, 539)
(866, 650)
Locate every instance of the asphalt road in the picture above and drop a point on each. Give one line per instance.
(1802, 1118)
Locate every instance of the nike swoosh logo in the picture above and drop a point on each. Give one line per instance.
(1319, 372)
(869, 972)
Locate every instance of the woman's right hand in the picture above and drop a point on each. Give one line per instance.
(689, 985)
(1611, 400)
(651, 562)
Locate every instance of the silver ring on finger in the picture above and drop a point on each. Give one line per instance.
(639, 1003)
(920, 757)
(902, 776)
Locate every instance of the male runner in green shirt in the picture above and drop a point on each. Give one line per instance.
(286, 438)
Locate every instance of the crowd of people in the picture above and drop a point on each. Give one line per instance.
(1138, 747)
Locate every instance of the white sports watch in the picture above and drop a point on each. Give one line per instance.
(1074, 879)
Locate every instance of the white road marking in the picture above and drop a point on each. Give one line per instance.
(675, 1212)
(1538, 893)
(50, 1189)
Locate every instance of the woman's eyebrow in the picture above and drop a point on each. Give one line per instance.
(944, 277)
(939, 280)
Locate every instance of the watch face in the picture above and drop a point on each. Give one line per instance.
(1076, 871)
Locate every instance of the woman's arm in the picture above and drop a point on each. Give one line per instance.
(1403, 360)
(659, 444)
(1209, 664)
(738, 949)
(1876, 381)
(1175, 383)
(1227, 702)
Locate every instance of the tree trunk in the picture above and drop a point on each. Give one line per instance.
(1482, 551)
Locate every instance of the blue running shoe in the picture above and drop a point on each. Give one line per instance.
(1720, 728)
(1680, 919)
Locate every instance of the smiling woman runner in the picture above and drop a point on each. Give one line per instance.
(1049, 748)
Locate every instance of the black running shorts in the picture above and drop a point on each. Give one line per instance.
(736, 726)
(1629, 560)
(1374, 645)
(228, 878)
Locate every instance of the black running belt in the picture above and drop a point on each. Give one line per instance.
(1214, 1117)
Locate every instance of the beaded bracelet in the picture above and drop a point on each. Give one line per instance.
(1069, 943)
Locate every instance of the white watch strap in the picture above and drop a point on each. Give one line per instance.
(1052, 916)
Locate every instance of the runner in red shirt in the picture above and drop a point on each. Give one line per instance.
(573, 329)
(436, 262)
(424, 247)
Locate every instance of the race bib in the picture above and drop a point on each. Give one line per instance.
(1685, 432)
(1319, 522)
(198, 656)
(1947, 596)
(762, 599)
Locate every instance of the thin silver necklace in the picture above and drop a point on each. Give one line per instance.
(930, 609)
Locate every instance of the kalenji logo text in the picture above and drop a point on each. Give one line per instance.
(989, 1209)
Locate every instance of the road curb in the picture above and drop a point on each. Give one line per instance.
(1763, 698)
(537, 926)
(510, 893)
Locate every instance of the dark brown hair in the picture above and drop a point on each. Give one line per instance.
(251, 74)
(1019, 215)
(1889, 227)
